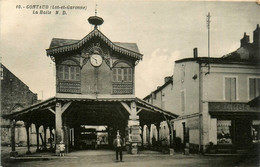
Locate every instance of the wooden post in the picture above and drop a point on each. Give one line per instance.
(27, 127)
(13, 153)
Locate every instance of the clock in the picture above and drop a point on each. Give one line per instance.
(96, 60)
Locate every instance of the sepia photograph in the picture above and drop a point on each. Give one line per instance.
(131, 83)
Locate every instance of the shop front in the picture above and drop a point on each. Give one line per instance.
(238, 126)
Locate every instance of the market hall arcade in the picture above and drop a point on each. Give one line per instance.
(95, 86)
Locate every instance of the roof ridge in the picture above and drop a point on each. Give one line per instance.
(78, 43)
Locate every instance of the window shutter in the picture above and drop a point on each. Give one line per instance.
(125, 74)
(130, 75)
(182, 101)
(252, 87)
(114, 75)
(77, 73)
(119, 72)
(66, 73)
(227, 88)
(72, 73)
(233, 88)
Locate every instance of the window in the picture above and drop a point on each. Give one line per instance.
(154, 95)
(254, 87)
(122, 75)
(183, 101)
(230, 88)
(223, 132)
(68, 72)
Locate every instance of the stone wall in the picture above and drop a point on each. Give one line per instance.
(14, 95)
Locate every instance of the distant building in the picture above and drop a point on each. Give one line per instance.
(161, 97)
(14, 96)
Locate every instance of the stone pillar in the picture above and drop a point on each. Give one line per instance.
(50, 129)
(66, 135)
(44, 137)
(27, 127)
(134, 129)
(13, 153)
(149, 135)
(158, 131)
(142, 135)
(59, 135)
(37, 137)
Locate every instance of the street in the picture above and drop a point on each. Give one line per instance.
(100, 158)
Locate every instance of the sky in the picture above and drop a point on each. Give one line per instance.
(164, 30)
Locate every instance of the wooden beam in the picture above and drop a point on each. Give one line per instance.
(47, 107)
(51, 110)
(147, 109)
(65, 106)
(128, 109)
(120, 112)
(138, 111)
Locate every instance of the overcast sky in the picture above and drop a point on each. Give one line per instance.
(164, 31)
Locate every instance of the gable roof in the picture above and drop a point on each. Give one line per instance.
(57, 42)
(59, 45)
(159, 88)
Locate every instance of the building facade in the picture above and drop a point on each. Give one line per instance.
(14, 95)
(211, 96)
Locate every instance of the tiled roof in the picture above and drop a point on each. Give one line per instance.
(57, 42)
(64, 45)
(129, 46)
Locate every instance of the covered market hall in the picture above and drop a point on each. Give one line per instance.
(65, 117)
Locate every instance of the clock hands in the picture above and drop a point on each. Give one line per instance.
(95, 59)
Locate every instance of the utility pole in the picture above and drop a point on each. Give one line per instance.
(208, 26)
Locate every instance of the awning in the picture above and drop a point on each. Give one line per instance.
(255, 102)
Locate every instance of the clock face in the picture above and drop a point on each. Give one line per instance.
(96, 60)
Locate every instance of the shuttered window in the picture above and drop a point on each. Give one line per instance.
(254, 87)
(68, 72)
(122, 75)
(230, 88)
(183, 101)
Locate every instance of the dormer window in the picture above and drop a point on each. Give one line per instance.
(122, 74)
(69, 72)
(122, 78)
(68, 77)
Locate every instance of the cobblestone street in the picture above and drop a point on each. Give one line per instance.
(100, 158)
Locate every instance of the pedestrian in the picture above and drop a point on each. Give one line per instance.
(118, 144)
(62, 149)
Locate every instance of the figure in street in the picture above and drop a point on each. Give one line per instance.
(62, 149)
(118, 144)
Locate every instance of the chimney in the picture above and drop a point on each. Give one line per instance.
(166, 79)
(245, 40)
(256, 37)
(195, 52)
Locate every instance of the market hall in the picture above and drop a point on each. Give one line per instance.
(95, 86)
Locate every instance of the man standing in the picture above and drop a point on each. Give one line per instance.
(118, 144)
